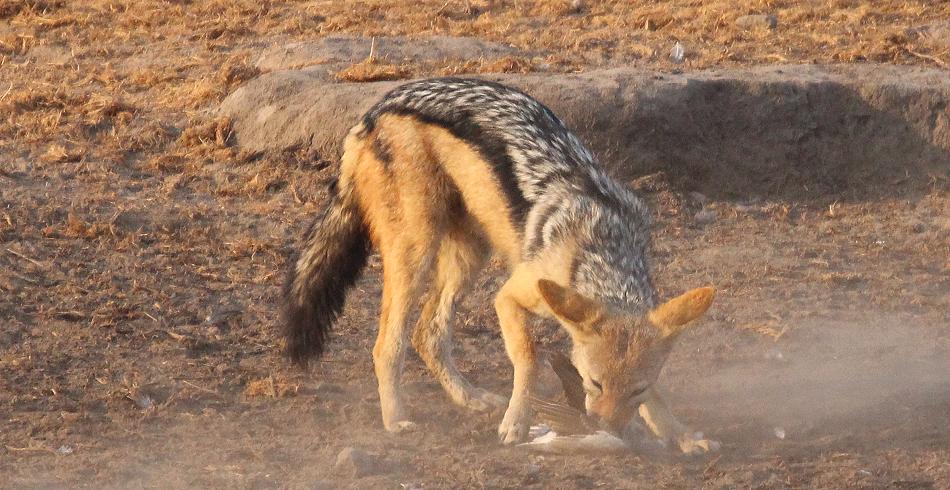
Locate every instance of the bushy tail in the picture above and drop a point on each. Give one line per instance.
(333, 254)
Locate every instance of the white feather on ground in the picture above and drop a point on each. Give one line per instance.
(598, 442)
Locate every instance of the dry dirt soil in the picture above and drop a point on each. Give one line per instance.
(142, 252)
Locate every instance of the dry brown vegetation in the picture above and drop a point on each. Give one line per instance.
(116, 80)
(141, 255)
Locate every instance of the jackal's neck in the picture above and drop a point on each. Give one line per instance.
(606, 229)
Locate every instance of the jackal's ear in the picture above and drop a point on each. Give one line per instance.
(573, 309)
(673, 316)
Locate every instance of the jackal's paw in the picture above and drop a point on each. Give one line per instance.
(695, 444)
(401, 426)
(514, 427)
(481, 400)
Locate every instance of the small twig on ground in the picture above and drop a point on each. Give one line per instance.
(927, 57)
(766, 329)
(711, 467)
(177, 336)
(24, 278)
(199, 388)
(27, 449)
(442, 8)
(169, 400)
(24, 257)
(293, 190)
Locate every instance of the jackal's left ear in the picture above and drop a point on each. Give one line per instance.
(574, 310)
(673, 316)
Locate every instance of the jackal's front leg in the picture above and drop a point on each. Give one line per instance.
(660, 420)
(512, 304)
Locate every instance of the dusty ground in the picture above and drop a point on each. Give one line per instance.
(141, 254)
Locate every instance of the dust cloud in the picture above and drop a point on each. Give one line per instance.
(844, 382)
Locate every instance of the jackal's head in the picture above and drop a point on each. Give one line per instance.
(620, 355)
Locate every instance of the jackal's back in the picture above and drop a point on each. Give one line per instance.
(527, 146)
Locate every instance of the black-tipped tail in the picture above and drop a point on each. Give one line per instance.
(333, 254)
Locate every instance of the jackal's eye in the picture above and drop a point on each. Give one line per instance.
(637, 392)
(594, 388)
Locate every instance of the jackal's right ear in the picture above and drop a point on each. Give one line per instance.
(673, 316)
(574, 310)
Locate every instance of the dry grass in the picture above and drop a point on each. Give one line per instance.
(505, 64)
(372, 70)
(271, 387)
(60, 154)
(114, 80)
(10, 8)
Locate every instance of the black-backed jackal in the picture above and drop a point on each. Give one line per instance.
(440, 174)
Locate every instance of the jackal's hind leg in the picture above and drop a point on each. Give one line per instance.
(460, 257)
(405, 265)
(663, 423)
